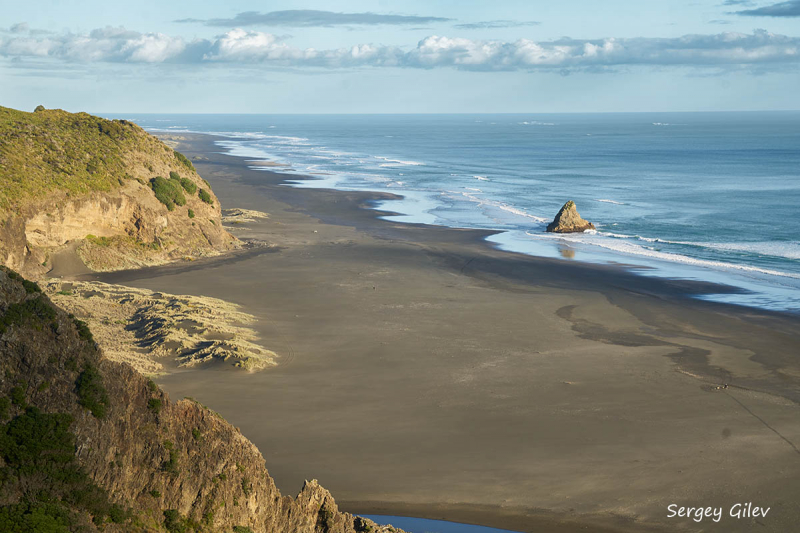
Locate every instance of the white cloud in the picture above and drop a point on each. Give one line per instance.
(101, 45)
(244, 47)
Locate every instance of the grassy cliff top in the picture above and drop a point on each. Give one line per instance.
(77, 153)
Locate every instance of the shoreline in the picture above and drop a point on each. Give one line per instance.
(678, 288)
(762, 285)
(609, 317)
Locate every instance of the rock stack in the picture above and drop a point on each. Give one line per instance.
(569, 221)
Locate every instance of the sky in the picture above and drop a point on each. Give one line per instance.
(410, 56)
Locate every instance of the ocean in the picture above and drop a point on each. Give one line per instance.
(707, 196)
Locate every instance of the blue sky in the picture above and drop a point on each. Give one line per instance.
(388, 56)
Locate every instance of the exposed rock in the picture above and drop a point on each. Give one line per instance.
(132, 460)
(569, 221)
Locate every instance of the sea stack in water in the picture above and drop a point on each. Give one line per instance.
(569, 221)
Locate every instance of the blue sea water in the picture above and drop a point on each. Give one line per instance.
(424, 525)
(709, 196)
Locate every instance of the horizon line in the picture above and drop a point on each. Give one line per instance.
(445, 113)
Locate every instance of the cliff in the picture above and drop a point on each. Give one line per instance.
(87, 444)
(78, 190)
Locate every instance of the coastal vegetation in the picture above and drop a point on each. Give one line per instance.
(154, 404)
(187, 184)
(204, 196)
(39, 462)
(99, 241)
(77, 153)
(169, 192)
(35, 311)
(184, 161)
(91, 393)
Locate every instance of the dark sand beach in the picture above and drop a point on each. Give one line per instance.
(424, 373)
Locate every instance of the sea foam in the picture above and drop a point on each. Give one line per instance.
(631, 248)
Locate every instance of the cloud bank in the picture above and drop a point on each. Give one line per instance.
(242, 47)
(782, 9)
(312, 18)
(492, 24)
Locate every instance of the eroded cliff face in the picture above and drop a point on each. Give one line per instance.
(161, 465)
(81, 190)
(124, 228)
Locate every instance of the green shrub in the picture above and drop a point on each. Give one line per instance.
(65, 293)
(168, 192)
(117, 514)
(90, 390)
(83, 330)
(196, 434)
(33, 312)
(171, 465)
(182, 158)
(38, 442)
(204, 196)
(36, 517)
(18, 396)
(43, 386)
(5, 405)
(99, 241)
(175, 523)
(242, 529)
(191, 213)
(247, 487)
(152, 385)
(38, 450)
(188, 185)
(154, 404)
(30, 286)
(155, 494)
(174, 175)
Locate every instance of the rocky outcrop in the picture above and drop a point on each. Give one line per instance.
(569, 221)
(87, 186)
(91, 444)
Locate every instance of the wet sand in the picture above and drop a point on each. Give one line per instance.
(422, 372)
